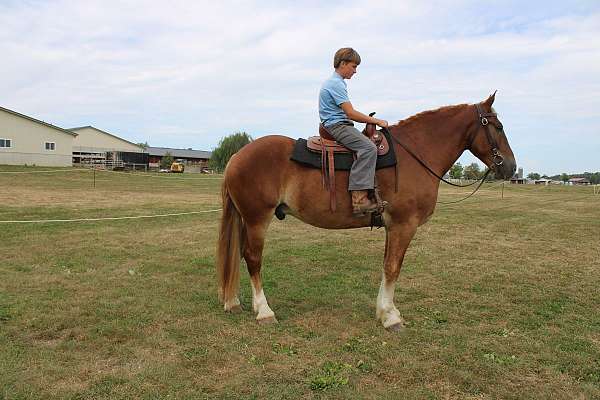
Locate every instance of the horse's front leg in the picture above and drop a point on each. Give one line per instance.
(398, 238)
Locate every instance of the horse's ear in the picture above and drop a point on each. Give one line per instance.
(490, 100)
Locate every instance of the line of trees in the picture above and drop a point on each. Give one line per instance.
(593, 177)
(472, 171)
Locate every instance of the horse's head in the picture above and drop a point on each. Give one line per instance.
(489, 142)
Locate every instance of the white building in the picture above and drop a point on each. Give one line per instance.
(27, 141)
(93, 144)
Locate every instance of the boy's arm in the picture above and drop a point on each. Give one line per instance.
(357, 116)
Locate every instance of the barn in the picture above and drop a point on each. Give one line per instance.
(28, 141)
(195, 160)
(95, 146)
(579, 181)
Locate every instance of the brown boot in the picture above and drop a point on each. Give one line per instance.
(361, 204)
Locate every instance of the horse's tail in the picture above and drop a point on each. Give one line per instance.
(229, 248)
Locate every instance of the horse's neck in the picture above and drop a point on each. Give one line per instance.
(439, 136)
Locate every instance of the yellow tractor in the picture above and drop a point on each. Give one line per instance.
(177, 166)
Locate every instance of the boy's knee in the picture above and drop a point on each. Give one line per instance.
(372, 149)
(369, 153)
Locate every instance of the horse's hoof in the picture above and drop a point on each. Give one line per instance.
(396, 328)
(237, 309)
(267, 321)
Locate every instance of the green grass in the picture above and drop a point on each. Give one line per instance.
(500, 296)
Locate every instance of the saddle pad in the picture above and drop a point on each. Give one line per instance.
(343, 161)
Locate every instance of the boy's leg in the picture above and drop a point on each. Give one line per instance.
(362, 174)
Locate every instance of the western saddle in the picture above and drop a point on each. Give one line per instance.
(326, 145)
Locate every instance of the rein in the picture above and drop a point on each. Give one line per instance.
(496, 156)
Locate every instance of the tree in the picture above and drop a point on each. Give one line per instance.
(166, 161)
(534, 176)
(472, 171)
(564, 177)
(144, 145)
(227, 147)
(491, 176)
(456, 171)
(594, 177)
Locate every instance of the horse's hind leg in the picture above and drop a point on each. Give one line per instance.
(255, 239)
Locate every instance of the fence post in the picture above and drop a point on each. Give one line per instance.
(502, 190)
(94, 167)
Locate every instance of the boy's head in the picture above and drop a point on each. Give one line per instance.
(346, 54)
(345, 62)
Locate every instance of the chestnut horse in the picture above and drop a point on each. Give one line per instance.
(261, 179)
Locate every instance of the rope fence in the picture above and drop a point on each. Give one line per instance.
(43, 221)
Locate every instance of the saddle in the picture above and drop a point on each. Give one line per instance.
(326, 145)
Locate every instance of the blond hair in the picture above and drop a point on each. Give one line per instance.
(347, 54)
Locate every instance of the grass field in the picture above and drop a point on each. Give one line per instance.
(501, 297)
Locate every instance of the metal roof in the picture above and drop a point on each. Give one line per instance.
(181, 153)
(38, 121)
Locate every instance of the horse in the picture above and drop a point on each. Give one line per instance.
(260, 180)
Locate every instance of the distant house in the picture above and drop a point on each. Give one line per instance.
(197, 159)
(28, 141)
(579, 181)
(545, 181)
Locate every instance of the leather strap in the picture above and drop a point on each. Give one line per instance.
(418, 159)
(331, 160)
(323, 165)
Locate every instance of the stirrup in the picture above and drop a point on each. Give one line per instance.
(381, 204)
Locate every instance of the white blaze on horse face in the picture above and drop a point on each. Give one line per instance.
(386, 310)
(260, 305)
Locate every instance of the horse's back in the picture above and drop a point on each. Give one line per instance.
(256, 160)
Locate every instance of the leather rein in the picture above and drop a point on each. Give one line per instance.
(497, 158)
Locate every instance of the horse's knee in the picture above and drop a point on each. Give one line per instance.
(253, 260)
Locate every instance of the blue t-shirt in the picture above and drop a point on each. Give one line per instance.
(333, 93)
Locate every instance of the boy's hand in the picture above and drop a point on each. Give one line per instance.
(382, 123)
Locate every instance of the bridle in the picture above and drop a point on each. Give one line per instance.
(497, 158)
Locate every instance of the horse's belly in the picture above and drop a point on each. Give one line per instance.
(310, 202)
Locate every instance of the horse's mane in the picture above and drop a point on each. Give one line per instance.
(418, 118)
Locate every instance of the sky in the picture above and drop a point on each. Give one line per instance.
(185, 74)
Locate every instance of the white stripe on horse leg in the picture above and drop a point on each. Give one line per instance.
(259, 303)
(386, 310)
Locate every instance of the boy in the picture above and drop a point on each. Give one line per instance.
(336, 114)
